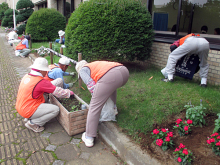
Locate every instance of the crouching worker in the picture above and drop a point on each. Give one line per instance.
(102, 79)
(30, 102)
(23, 47)
(188, 45)
(58, 71)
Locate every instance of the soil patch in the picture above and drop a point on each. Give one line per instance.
(196, 142)
(71, 104)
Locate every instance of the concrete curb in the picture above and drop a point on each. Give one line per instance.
(127, 150)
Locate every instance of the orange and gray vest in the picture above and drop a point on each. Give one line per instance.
(20, 46)
(182, 40)
(26, 105)
(46, 77)
(99, 68)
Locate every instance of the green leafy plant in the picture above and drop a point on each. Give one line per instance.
(163, 138)
(196, 114)
(214, 142)
(217, 124)
(74, 108)
(115, 30)
(44, 24)
(183, 155)
(183, 127)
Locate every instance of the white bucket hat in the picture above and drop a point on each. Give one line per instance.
(79, 65)
(61, 33)
(64, 61)
(40, 64)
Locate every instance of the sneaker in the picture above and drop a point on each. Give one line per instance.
(203, 85)
(34, 127)
(167, 80)
(164, 73)
(88, 142)
(25, 120)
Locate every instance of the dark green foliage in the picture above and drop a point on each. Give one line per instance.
(110, 30)
(3, 8)
(8, 18)
(24, 4)
(21, 29)
(24, 15)
(44, 24)
(10, 12)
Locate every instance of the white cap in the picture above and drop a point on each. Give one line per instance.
(79, 65)
(64, 61)
(40, 64)
(61, 33)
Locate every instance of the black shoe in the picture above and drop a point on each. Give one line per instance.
(203, 85)
(167, 80)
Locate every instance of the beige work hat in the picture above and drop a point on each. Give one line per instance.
(40, 64)
(64, 61)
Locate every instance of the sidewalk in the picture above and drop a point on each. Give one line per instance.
(19, 145)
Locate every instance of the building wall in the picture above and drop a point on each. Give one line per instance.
(161, 51)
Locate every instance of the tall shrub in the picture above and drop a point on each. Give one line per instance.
(3, 8)
(110, 30)
(25, 8)
(44, 24)
(8, 18)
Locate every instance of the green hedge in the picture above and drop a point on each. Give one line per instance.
(44, 24)
(21, 29)
(110, 30)
(21, 4)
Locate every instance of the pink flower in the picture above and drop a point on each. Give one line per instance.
(177, 149)
(186, 128)
(181, 146)
(163, 130)
(214, 134)
(159, 142)
(208, 141)
(177, 125)
(218, 137)
(218, 144)
(212, 140)
(189, 121)
(178, 121)
(167, 139)
(179, 159)
(185, 151)
(170, 134)
(155, 131)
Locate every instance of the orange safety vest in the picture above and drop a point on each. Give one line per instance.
(46, 77)
(20, 46)
(26, 105)
(99, 68)
(182, 40)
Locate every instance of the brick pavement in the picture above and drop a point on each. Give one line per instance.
(53, 146)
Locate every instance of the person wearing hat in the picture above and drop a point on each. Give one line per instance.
(62, 37)
(30, 102)
(23, 47)
(13, 37)
(102, 79)
(58, 71)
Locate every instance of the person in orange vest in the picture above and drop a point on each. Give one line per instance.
(30, 102)
(58, 71)
(23, 47)
(190, 44)
(102, 79)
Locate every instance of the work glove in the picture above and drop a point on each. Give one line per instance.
(91, 86)
(71, 93)
(70, 85)
(72, 74)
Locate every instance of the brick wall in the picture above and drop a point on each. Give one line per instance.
(161, 51)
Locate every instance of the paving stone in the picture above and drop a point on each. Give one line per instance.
(46, 135)
(59, 138)
(67, 152)
(78, 162)
(75, 141)
(102, 157)
(84, 155)
(51, 148)
(98, 146)
(58, 162)
(53, 127)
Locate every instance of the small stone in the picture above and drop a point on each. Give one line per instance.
(51, 148)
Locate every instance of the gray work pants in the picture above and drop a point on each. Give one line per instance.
(24, 52)
(192, 45)
(106, 87)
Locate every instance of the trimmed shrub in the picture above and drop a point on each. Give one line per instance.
(25, 10)
(21, 4)
(44, 24)
(8, 18)
(21, 29)
(110, 30)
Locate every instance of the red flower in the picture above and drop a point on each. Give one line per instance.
(186, 128)
(186, 132)
(159, 142)
(170, 134)
(189, 121)
(167, 139)
(181, 146)
(218, 137)
(185, 151)
(179, 159)
(218, 144)
(155, 131)
(214, 134)
(212, 140)
(177, 125)
(177, 149)
(178, 121)
(208, 141)
(163, 130)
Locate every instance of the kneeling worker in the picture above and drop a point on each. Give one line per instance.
(30, 102)
(58, 71)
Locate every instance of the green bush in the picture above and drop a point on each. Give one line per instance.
(8, 18)
(21, 29)
(24, 4)
(44, 24)
(110, 30)
(25, 10)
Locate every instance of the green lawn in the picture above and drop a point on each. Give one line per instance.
(142, 102)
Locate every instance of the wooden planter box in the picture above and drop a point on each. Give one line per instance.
(73, 122)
